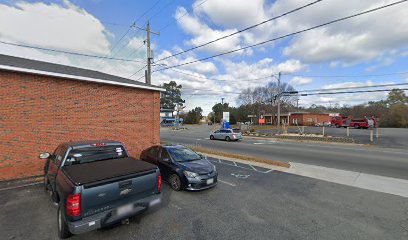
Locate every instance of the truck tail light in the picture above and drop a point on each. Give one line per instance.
(73, 206)
(159, 182)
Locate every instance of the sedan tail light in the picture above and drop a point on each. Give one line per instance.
(73, 205)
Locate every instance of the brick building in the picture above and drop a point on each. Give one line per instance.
(44, 104)
(299, 118)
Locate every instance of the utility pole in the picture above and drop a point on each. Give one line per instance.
(149, 57)
(222, 101)
(148, 72)
(279, 95)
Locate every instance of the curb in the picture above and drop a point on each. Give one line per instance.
(229, 156)
(20, 182)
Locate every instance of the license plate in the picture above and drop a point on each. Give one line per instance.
(210, 181)
(124, 209)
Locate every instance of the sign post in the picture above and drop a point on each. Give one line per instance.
(225, 120)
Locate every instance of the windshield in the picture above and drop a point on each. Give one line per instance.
(92, 154)
(183, 154)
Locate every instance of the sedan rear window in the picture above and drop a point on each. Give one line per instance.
(236, 130)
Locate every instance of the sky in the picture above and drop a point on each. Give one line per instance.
(362, 51)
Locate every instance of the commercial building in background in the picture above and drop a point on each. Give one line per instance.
(44, 104)
(299, 118)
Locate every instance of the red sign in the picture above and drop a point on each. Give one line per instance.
(261, 121)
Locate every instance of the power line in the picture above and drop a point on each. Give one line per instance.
(164, 7)
(176, 20)
(343, 88)
(347, 76)
(347, 92)
(221, 80)
(288, 35)
(242, 30)
(138, 71)
(133, 24)
(71, 53)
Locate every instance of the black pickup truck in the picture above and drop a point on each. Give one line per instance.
(96, 183)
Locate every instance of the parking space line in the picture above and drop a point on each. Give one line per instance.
(253, 167)
(228, 183)
(235, 165)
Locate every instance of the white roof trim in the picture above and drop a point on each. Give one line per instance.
(88, 79)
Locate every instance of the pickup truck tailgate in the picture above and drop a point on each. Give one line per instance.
(107, 186)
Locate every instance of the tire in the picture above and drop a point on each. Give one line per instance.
(175, 182)
(337, 126)
(227, 139)
(63, 231)
(211, 137)
(356, 126)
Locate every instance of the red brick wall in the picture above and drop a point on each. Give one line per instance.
(303, 118)
(38, 112)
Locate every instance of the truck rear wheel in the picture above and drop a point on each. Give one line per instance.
(63, 231)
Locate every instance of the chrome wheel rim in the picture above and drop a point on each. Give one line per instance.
(174, 182)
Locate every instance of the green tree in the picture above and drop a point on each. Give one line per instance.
(218, 109)
(397, 96)
(399, 115)
(172, 96)
(193, 116)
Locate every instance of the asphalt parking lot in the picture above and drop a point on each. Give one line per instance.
(248, 203)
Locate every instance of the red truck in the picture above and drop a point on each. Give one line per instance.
(341, 121)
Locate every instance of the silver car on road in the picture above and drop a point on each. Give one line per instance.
(227, 134)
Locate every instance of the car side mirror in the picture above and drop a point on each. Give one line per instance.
(44, 155)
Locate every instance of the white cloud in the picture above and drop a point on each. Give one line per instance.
(233, 13)
(202, 33)
(353, 41)
(300, 81)
(63, 26)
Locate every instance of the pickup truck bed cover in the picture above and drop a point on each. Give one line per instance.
(102, 170)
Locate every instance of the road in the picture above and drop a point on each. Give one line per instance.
(247, 203)
(378, 161)
(387, 137)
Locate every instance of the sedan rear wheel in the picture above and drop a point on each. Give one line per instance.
(227, 139)
(175, 182)
(212, 137)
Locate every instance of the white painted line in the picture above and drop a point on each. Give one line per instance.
(228, 183)
(376, 183)
(253, 168)
(207, 138)
(199, 139)
(270, 170)
(235, 164)
(219, 160)
(258, 143)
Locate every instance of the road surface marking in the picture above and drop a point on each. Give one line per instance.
(228, 183)
(242, 176)
(199, 139)
(253, 167)
(270, 170)
(207, 138)
(235, 164)
(258, 143)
